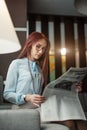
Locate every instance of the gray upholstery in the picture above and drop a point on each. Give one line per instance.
(25, 119)
(1, 89)
(54, 126)
(83, 100)
(19, 119)
(3, 103)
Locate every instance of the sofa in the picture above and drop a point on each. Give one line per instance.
(22, 119)
(28, 119)
(83, 101)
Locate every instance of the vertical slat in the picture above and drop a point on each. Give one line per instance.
(81, 43)
(32, 20)
(57, 46)
(69, 42)
(44, 30)
(51, 55)
(44, 24)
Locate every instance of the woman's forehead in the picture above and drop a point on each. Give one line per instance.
(42, 42)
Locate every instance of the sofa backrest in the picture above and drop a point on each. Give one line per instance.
(1, 89)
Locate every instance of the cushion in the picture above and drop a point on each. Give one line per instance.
(53, 126)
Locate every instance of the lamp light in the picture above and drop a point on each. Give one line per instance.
(9, 41)
(63, 51)
(81, 6)
(63, 59)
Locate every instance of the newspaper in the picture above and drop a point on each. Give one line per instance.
(62, 104)
(69, 78)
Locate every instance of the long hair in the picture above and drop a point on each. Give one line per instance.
(43, 61)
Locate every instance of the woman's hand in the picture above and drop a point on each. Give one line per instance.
(35, 99)
(78, 87)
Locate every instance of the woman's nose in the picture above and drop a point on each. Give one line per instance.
(41, 50)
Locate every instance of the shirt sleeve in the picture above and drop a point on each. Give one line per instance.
(10, 93)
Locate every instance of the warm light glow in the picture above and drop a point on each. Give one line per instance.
(51, 52)
(8, 39)
(63, 51)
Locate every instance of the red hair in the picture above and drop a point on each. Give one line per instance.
(43, 61)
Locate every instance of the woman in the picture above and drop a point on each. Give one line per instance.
(24, 78)
(27, 74)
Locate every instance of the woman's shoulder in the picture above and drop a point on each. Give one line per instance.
(17, 62)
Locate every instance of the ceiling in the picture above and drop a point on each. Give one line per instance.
(53, 7)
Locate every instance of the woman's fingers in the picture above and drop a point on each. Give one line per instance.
(37, 99)
(79, 87)
(79, 84)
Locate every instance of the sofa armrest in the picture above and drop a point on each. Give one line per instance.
(22, 119)
(83, 100)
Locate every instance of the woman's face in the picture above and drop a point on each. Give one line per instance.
(38, 49)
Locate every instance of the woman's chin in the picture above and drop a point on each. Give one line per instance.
(36, 58)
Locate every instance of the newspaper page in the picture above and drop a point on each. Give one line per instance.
(61, 105)
(69, 78)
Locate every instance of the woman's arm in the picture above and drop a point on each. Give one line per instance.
(10, 93)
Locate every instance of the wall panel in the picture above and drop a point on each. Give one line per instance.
(81, 43)
(69, 42)
(57, 47)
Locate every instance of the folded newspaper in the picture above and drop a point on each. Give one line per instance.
(62, 104)
(69, 78)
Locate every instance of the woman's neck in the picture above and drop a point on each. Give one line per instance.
(31, 59)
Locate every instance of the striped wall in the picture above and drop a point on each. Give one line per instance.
(63, 32)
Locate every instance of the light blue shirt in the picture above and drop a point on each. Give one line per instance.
(19, 81)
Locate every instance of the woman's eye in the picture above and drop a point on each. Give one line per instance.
(38, 46)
